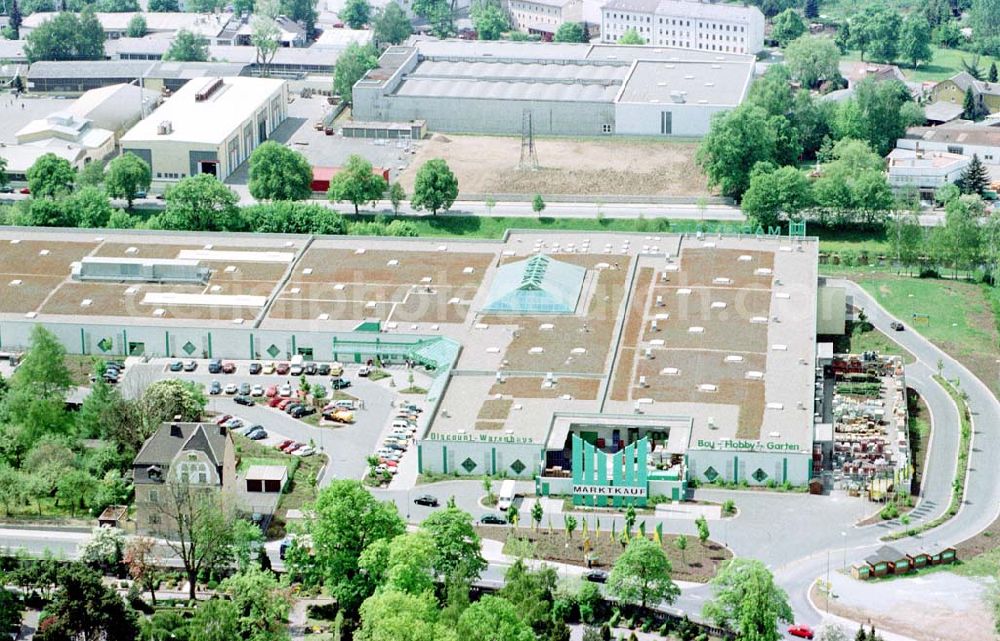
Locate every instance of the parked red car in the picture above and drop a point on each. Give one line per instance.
(291, 447)
(222, 419)
(801, 631)
(274, 401)
(284, 403)
(228, 367)
(282, 368)
(271, 391)
(285, 443)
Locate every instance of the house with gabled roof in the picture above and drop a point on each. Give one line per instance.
(201, 454)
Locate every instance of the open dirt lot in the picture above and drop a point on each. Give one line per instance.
(488, 165)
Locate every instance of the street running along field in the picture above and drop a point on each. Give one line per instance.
(488, 165)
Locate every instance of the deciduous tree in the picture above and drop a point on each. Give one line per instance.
(352, 64)
(84, 608)
(812, 59)
(356, 13)
(50, 176)
(127, 176)
(787, 26)
(392, 615)
(435, 187)
(195, 523)
(164, 6)
(136, 27)
(261, 604)
(571, 32)
(66, 37)
(347, 520)
(142, 564)
(736, 141)
(357, 183)
(915, 40)
(167, 398)
(200, 203)
(279, 173)
(493, 619)
(775, 192)
(456, 543)
(391, 26)
(489, 19)
(631, 37)
(747, 600)
(187, 47)
(641, 575)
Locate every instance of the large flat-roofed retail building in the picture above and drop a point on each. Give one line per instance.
(210, 126)
(608, 367)
(566, 89)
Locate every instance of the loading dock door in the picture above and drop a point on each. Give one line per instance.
(210, 167)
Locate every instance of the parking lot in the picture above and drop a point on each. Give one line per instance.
(347, 446)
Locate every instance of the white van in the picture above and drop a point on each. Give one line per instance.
(403, 425)
(506, 496)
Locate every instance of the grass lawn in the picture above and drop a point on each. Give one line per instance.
(945, 64)
(301, 488)
(961, 320)
(80, 367)
(698, 562)
(856, 341)
(920, 434)
(497, 226)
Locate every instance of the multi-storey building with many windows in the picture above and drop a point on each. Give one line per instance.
(543, 17)
(688, 24)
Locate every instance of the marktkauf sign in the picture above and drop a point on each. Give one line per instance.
(481, 438)
(746, 445)
(609, 490)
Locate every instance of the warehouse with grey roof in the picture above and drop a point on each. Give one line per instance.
(567, 89)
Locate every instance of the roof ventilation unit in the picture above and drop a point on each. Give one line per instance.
(208, 90)
(165, 128)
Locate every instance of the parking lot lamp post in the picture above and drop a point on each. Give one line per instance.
(844, 538)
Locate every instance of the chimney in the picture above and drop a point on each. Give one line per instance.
(222, 430)
(175, 430)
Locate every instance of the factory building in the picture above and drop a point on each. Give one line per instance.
(562, 89)
(210, 126)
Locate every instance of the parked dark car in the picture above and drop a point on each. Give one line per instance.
(255, 368)
(309, 369)
(257, 434)
(215, 366)
(897, 326)
(303, 410)
(175, 366)
(339, 383)
(323, 369)
(426, 499)
(244, 388)
(215, 388)
(243, 399)
(492, 519)
(596, 576)
(291, 407)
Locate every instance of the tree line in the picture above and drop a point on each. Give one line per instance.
(279, 177)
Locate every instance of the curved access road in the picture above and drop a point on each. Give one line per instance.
(981, 502)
